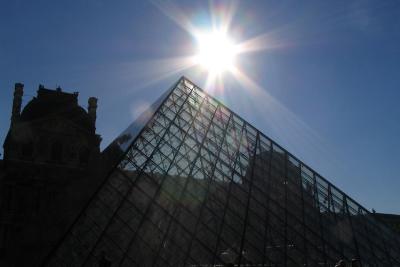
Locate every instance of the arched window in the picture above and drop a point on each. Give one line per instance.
(72, 152)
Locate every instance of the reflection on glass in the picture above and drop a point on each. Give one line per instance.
(199, 186)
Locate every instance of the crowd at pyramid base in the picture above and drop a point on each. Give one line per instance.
(190, 183)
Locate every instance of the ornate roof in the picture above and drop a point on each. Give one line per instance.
(57, 103)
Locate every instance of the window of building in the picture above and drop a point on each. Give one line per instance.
(27, 151)
(56, 151)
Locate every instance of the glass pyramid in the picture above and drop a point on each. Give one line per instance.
(196, 185)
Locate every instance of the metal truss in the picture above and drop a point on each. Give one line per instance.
(199, 186)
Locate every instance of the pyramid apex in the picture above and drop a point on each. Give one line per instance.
(195, 184)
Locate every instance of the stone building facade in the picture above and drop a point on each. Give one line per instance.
(51, 153)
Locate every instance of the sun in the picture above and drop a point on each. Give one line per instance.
(216, 52)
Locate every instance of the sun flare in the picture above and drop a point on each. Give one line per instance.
(216, 52)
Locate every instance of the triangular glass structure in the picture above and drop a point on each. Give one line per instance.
(196, 185)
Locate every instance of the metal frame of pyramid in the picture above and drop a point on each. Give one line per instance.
(193, 184)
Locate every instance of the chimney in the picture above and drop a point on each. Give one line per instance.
(92, 107)
(16, 108)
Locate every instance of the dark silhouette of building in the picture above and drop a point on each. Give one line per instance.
(189, 183)
(194, 184)
(51, 156)
(392, 220)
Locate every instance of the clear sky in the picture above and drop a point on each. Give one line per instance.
(324, 81)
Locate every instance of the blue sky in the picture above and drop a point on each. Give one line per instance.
(330, 78)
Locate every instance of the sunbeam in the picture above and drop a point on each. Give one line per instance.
(261, 42)
(222, 15)
(173, 12)
(286, 125)
(218, 56)
(149, 72)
